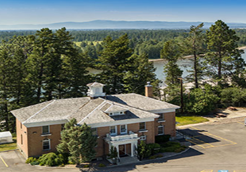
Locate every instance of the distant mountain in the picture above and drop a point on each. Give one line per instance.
(109, 24)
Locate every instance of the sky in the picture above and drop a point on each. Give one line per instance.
(14, 12)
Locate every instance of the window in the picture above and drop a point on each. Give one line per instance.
(143, 137)
(161, 117)
(21, 125)
(113, 130)
(46, 144)
(21, 139)
(160, 130)
(94, 131)
(46, 129)
(123, 129)
(62, 127)
(142, 126)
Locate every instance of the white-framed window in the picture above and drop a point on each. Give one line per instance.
(123, 129)
(160, 130)
(94, 131)
(46, 129)
(161, 117)
(142, 126)
(143, 137)
(46, 144)
(113, 130)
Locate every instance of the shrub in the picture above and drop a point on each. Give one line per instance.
(153, 157)
(86, 166)
(34, 163)
(159, 155)
(172, 147)
(101, 165)
(154, 148)
(30, 160)
(162, 138)
(51, 159)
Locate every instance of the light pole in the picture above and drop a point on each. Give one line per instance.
(181, 95)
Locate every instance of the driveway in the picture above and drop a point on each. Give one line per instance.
(13, 161)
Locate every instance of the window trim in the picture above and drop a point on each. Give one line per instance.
(49, 144)
(96, 131)
(144, 126)
(125, 128)
(143, 137)
(161, 126)
(48, 130)
(163, 117)
(113, 134)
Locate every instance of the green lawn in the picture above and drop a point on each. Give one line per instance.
(185, 120)
(94, 42)
(8, 146)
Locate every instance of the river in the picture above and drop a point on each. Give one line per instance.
(159, 64)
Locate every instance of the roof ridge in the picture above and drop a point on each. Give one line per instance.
(39, 111)
(99, 106)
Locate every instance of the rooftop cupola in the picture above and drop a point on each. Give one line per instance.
(95, 90)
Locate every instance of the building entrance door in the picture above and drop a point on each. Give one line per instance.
(122, 150)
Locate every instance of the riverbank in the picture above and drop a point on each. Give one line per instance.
(190, 56)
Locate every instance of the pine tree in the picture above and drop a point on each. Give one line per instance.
(113, 62)
(193, 44)
(171, 53)
(140, 72)
(224, 55)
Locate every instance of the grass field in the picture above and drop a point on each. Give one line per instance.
(185, 120)
(8, 146)
(94, 42)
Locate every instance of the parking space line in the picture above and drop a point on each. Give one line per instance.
(215, 136)
(195, 143)
(207, 170)
(240, 123)
(4, 161)
(239, 171)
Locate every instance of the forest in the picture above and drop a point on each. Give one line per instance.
(38, 66)
(142, 41)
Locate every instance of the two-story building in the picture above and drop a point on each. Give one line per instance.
(118, 120)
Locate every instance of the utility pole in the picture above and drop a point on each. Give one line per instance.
(181, 95)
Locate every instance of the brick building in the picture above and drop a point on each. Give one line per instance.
(117, 120)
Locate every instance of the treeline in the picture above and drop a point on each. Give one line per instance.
(48, 65)
(142, 41)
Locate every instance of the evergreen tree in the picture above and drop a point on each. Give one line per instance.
(141, 71)
(113, 62)
(78, 142)
(193, 44)
(224, 55)
(171, 53)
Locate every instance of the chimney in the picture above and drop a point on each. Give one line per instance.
(148, 90)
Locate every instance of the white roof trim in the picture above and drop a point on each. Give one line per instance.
(121, 122)
(39, 111)
(163, 110)
(44, 123)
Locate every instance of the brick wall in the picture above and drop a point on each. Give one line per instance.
(21, 130)
(169, 124)
(35, 140)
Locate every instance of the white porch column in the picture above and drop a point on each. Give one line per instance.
(132, 150)
(117, 148)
